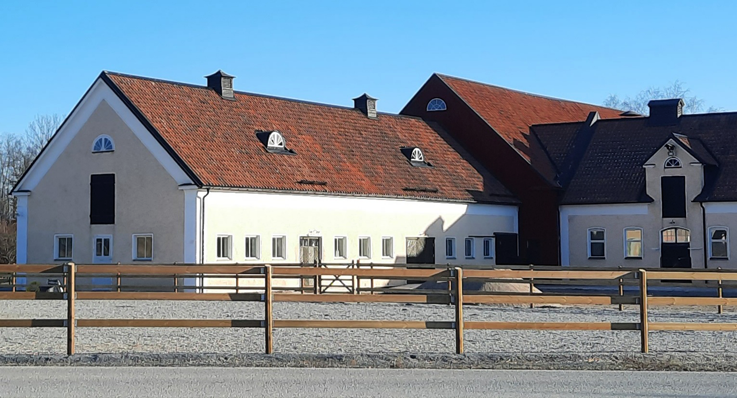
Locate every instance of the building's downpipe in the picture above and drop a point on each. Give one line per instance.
(705, 235)
(202, 237)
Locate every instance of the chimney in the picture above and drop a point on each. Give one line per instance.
(665, 112)
(366, 104)
(222, 83)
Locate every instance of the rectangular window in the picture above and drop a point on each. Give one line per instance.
(597, 243)
(279, 247)
(673, 190)
(450, 247)
(224, 247)
(341, 247)
(632, 243)
(143, 247)
(102, 199)
(719, 243)
(469, 248)
(63, 247)
(387, 247)
(364, 247)
(488, 247)
(253, 246)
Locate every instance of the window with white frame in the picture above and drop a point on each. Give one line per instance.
(597, 243)
(718, 243)
(633, 243)
(276, 140)
(253, 246)
(63, 247)
(279, 247)
(364, 247)
(225, 247)
(488, 247)
(672, 163)
(143, 247)
(469, 249)
(450, 247)
(436, 104)
(387, 247)
(341, 247)
(103, 143)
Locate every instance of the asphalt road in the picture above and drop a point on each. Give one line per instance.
(289, 382)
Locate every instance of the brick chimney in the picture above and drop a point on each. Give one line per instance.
(222, 83)
(366, 104)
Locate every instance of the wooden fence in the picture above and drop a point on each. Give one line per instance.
(70, 274)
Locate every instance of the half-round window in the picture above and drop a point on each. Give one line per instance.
(103, 143)
(436, 104)
(276, 141)
(672, 163)
(417, 155)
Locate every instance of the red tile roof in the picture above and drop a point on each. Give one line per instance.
(511, 113)
(339, 150)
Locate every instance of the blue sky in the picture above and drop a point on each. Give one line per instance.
(332, 51)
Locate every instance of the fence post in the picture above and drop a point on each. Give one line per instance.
(13, 282)
(450, 284)
(268, 311)
(720, 308)
(532, 287)
(644, 327)
(117, 282)
(621, 291)
(316, 280)
(371, 267)
(71, 296)
(459, 309)
(354, 278)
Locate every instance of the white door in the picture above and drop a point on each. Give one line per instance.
(102, 253)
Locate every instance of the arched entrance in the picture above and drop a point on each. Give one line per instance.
(675, 248)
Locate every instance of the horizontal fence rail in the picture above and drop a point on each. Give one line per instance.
(256, 283)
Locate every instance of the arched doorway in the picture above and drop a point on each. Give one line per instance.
(675, 248)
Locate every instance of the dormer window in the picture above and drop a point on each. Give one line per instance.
(672, 163)
(103, 143)
(435, 105)
(415, 156)
(276, 141)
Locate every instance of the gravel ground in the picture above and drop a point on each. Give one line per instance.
(51, 341)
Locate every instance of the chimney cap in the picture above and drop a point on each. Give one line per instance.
(365, 96)
(218, 74)
(670, 102)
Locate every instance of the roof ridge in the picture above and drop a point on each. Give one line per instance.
(191, 85)
(441, 75)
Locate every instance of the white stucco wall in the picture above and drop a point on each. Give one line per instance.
(147, 197)
(575, 220)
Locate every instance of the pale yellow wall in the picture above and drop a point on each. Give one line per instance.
(293, 215)
(651, 221)
(147, 197)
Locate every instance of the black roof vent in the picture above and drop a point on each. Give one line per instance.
(222, 83)
(366, 104)
(630, 114)
(665, 112)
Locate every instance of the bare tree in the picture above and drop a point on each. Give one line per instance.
(638, 103)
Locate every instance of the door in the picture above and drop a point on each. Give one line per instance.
(675, 248)
(506, 248)
(310, 251)
(421, 250)
(102, 253)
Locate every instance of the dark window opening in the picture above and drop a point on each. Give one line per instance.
(102, 199)
(673, 190)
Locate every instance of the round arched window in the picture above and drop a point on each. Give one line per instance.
(276, 140)
(103, 143)
(672, 163)
(417, 155)
(436, 104)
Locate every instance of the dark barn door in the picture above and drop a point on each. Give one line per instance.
(506, 248)
(675, 248)
(421, 250)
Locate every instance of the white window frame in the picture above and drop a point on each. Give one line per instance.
(56, 246)
(258, 247)
(344, 247)
(436, 108)
(229, 256)
(417, 155)
(103, 150)
(589, 241)
(453, 247)
(102, 259)
(391, 248)
(134, 247)
(711, 241)
(360, 240)
(678, 163)
(490, 252)
(276, 140)
(624, 240)
(472, 254)
(283, 238)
